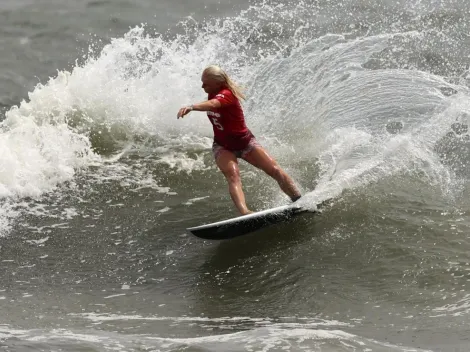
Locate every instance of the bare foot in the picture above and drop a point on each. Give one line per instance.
(295, 198)
(247, 212)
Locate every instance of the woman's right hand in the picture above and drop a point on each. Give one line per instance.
(184, 111)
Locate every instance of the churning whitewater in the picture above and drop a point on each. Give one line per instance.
(122, 103)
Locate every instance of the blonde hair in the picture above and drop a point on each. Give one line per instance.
(216, 73)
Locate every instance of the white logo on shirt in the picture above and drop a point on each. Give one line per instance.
(217, 123)
(211, 113)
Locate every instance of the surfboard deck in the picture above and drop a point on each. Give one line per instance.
(245, 224)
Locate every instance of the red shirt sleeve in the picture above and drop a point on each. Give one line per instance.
(226, 98)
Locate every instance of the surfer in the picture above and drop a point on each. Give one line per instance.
(232, 138)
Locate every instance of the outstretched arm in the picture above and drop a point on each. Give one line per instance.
(204, 106)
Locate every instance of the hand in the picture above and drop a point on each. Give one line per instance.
(184, 111)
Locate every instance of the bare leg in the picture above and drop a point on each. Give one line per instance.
(259, 158)
(228, 164)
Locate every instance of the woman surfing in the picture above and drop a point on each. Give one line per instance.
(233, 139)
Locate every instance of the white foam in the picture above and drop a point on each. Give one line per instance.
(459, 308)
(95, 317)
(39, 149)
(116, 295)
(265, 338)
(194, 200)
(38, 242)
(126, 98)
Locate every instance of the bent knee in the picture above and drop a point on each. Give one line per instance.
(232, 175)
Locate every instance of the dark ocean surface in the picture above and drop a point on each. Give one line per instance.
(365, 103)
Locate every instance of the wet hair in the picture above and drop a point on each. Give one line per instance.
(216, 73)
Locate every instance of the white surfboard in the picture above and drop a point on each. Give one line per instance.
(244, 224)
